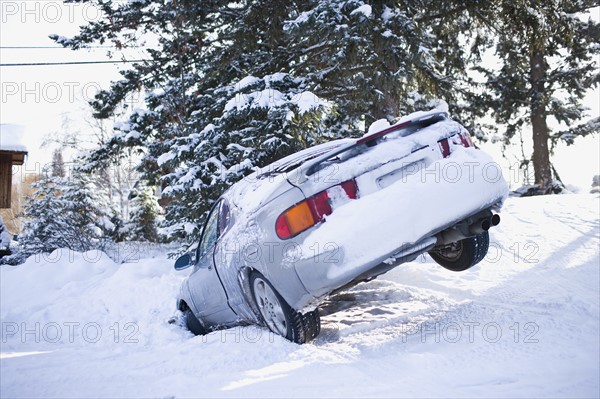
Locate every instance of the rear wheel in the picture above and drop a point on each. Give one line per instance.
(463, 254)
(279, 316)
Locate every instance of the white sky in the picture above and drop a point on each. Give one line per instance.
(38, 97)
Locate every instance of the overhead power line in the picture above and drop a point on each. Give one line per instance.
(52, 47)
(71, 63)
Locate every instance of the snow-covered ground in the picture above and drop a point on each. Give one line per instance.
(523, 323)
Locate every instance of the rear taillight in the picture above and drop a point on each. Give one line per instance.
(319, 206)
(444, 147)
(463, 139)
(350, 188)
(311, 211)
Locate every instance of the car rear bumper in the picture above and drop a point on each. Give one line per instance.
(404, 216)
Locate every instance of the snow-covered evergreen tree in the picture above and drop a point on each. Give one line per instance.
(58, 164)
(261, 120)
(379, 59)
(144, 216)
(548, 53)
(4, 238)
(219, 102)
(63, 213)
(231, 86)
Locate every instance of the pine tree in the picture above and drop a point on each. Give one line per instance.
(63, 213)
(4, 239)
(548, 61)
(232, 86)
(144, 216)
(58, 165)
(379, 59)
(218, 102)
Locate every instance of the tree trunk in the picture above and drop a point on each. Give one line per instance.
(387, 108)
(541, 153)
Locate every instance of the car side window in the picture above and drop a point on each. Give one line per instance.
(224, 217)
(210, 233)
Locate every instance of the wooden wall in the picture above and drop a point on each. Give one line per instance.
(5, 180)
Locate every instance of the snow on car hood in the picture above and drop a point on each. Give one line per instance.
(452, 188)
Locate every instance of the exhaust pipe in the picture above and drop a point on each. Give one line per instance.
(484, 224)
(480, 226)
(495, 219)
(464, 229)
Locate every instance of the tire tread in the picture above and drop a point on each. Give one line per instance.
(474, 249)
(302, 328)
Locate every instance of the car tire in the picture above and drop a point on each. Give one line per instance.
(278, 316)
(312, 324)
(464, 254)
(192, 323)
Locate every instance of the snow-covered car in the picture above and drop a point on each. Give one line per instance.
(279, 242)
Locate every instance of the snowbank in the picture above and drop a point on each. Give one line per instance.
(523, 323)
(89, 289)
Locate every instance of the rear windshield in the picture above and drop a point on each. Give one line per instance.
(294, 161)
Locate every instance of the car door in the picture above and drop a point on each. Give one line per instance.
(207, 292)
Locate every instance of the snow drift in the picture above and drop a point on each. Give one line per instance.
(524, 322)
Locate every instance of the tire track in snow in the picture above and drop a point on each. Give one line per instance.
(378, 311)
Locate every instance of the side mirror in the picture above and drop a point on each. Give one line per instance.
(183, 262)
